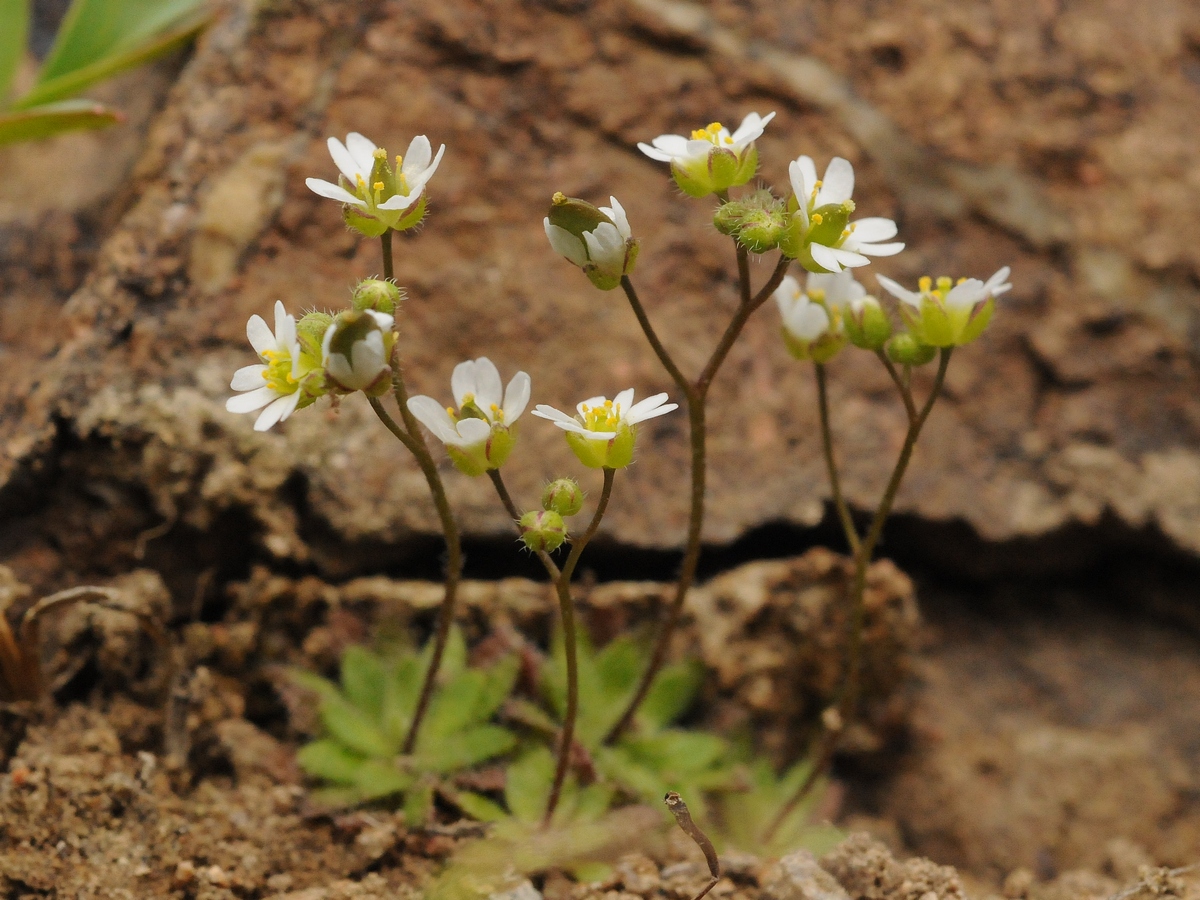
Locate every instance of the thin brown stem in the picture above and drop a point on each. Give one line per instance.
(386, 243)
(862, 559)
(567, 611)
(743, 264)
(415, 443)
(835, 484)
(652, 336)
(696, 395)
(683, 818)
(901, 386)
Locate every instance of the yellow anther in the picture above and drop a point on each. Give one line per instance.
(360, 182)
(816, 295)
(818, 184)
(266, 374)
(451, 410)
(399, 160)
(608, 404)
(944, 283)
(711, 134)
(960, 281)
(818, 218)
(925, 283)
(291, 378)
(378, 185)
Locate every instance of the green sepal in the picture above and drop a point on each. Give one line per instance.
(723, 169)
(575, 216)
(867, 324)
(834, 218)
(310, 332)
(907, 350)
(981, 315)
(694, 181)
(747, 166)
(364, 223)
(411, 217)
(377, 294)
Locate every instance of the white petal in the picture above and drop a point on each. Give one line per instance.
(516, 397)
(590, 435)
(261, 337)
(248, 378)
(488, 389)
(899, 292)
(838, 185)
(285, 327)
(965, 293)
(566, 244)
(808, 321)
(638, 411)
(276, 412)
(417, 158)
(671, 144)
(363, 150)
(623, 402)
(542, 411)
(400, 201)
(606, 247)
(433, 416)
(655, 413)
(616, 212)
(244, 403)
(874, 249)
(839, 288)
(825, 257)
(345, 162)
(697, 149)
(463, 382)
(655, 154)
(333, 192)
(385, 321)
(803, 175)
(995, 285)
(849, 258)
(368, 360)
(787, 293)
(751, 129)
(874, 228)
(473, 431)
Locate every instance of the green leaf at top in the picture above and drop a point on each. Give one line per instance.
(55, 118)
(14, 34)
(85, 61)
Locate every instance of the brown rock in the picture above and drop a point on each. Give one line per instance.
(800, 877)
(1080, 401)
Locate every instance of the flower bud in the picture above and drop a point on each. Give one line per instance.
(356, 349)
(542, 529)
(866, 324)
(756, 221)
(377, 294)
(905, 349)
(563, 496)
(597, 239)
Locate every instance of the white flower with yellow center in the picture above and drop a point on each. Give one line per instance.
(712, 160)
(274, 384)
(378, 196)
(948, 314)
(812, 318)
(478, 434)
(604, 432)
(821, 236)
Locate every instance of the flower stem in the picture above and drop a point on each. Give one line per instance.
(862, 559)
(835, 483)
(413, 439)
(696, 397)
(567, 609)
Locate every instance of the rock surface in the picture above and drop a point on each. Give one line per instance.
(1057, 142)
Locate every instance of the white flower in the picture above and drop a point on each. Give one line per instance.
(712, 160)
(812, 319)
(370, 184)
(824, 207)
(944, 314)
(603, 434)
(477, 435)
(280, 368)
(356, 350)
(606, 252)
(675, 148)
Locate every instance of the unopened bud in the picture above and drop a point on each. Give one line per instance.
(905, 349)
(377, 294)
(866, 323)
(356, 349)
(563, 496)
(542, 529)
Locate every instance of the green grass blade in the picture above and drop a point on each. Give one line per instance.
(56, 118)
(74, 80)
(14, 34)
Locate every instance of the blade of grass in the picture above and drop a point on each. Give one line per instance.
(14, 33)
(76, 80)
(55, 118)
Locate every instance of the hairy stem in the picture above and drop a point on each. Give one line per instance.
(567, 610)
(696, 395)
